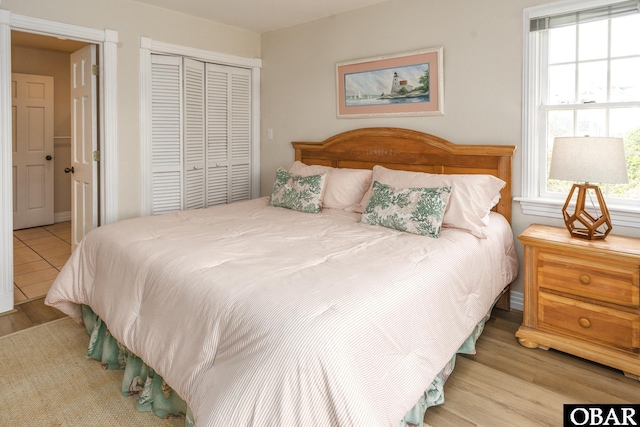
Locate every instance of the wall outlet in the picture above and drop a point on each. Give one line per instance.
(269, 133)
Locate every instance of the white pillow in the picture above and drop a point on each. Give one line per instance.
(345, 188)
(472, 196)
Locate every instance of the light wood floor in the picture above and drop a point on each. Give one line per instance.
(504, 384)
(508, 385)
(26, 315)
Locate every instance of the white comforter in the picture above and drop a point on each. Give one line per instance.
(264, 316)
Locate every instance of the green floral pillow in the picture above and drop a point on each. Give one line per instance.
(301, 193)
(415, 210)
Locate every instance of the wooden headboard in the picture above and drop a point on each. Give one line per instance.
(397, 148)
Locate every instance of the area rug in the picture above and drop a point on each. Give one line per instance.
(46, 380)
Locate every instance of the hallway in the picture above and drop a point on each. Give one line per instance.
(38, 255)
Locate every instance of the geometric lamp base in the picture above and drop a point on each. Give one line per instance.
(582, 224)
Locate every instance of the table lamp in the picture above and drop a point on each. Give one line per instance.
(588, 159)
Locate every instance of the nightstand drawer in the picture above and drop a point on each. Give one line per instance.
(615, 283)
(589, 321)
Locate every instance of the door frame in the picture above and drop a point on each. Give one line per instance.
(107, 40)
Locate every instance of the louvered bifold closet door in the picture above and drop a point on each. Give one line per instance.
(240, 126)
(166, 133)
(217, 83)
(228, 101)
(194, 135)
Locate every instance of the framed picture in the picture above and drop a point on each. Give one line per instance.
(405, 84)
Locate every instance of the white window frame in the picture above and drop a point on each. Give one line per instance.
(532, 152)
(149, 46)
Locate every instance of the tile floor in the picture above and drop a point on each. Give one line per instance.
(38, 255)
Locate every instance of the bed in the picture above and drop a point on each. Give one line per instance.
(254, 314)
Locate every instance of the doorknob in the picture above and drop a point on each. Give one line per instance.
(48, 157)
(67, 170)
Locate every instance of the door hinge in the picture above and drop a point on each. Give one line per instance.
(95, 70)
(96, 156)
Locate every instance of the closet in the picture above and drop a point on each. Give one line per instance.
(200, 134)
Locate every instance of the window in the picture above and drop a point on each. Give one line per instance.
(582, 77)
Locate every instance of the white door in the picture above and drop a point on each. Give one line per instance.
(228, 91)
(32, 131)
(166, 135)
(194, 134)
(84, 142)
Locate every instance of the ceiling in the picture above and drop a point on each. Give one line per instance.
(261, 15)
(45, 42)
(255, 15)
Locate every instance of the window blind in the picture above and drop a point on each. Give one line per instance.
(583, 16)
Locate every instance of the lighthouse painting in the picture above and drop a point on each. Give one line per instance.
(405, 84)
(389, 86)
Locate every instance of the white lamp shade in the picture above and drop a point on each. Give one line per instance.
(589, 159)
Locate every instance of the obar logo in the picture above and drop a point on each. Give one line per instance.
(601, 415)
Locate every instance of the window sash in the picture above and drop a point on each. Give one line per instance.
(532, 203)
(543, 152)
(544, 106)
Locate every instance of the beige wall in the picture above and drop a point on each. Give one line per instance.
(482, 43)
(482, 72)
(132, 20)
(27, 60)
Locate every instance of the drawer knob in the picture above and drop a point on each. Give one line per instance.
(584, 279)
(584, 322)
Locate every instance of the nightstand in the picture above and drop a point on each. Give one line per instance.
(582, 296)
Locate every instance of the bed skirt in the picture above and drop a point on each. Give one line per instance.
(154, 395)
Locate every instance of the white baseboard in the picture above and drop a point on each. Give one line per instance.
(64, 216)
(6, 302)
(517, 300)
